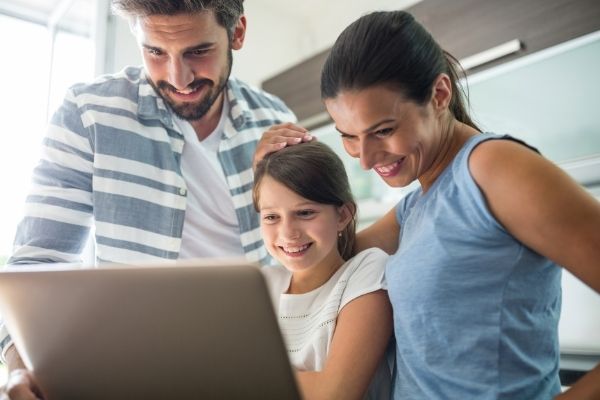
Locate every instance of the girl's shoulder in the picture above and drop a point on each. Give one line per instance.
(364, 273)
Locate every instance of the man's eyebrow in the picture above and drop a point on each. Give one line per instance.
(201, 46)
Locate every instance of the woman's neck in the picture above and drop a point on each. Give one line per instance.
(453, 136)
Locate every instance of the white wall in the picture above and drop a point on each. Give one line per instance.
(279, 34)
(273, 43)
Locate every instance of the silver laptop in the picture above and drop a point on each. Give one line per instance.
(202, 329)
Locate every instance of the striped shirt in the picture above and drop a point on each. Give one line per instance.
(111, 164)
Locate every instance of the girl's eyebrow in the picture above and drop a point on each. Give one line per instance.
(299, 205)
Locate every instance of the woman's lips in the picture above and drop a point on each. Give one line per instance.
(389, 169)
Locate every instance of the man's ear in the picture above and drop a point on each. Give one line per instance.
(239, 33)
(442, 93)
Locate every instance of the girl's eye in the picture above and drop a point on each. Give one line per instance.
(306, 213)
(269, 218)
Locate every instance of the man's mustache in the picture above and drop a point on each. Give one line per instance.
(164, 85)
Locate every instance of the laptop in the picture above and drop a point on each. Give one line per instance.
(199, 329)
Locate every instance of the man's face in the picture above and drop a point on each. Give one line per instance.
(188, 59)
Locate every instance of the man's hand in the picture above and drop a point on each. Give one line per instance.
(20, 386)
(278, 137)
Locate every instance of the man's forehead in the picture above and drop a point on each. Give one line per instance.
(185, 29)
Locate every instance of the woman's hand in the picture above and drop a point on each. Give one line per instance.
(278, 137)
(20, 386)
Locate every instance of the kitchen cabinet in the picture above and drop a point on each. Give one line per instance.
(465, 28)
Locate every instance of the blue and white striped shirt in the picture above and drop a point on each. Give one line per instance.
(111, 162)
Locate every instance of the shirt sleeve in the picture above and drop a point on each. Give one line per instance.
(364, 275)
(58, 208)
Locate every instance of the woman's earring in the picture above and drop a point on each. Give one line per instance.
(340, 234)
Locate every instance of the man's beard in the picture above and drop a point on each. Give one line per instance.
(195, 110)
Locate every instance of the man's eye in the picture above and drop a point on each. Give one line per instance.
(154, 52)
(383, 132)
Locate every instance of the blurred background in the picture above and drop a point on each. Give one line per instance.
(531, 70)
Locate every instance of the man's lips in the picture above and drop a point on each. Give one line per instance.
(389, 169)
(187, 94)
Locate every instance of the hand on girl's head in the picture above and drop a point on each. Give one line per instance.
(278, 137)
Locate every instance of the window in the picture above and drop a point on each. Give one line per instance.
(34, 76)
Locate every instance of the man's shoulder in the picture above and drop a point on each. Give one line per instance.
(254, 98)
(125, 83)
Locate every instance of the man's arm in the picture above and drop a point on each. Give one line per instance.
(58, 209)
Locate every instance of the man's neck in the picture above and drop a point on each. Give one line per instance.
(207, 124)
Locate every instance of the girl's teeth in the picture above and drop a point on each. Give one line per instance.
(295, 249)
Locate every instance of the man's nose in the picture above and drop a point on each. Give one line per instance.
(180, 74)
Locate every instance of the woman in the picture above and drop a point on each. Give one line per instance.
(474, 279)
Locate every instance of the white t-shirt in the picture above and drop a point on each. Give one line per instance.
(308, 320)
(211, 227)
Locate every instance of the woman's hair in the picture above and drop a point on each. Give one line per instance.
(391, 48)
(227, 12)
(311, 170)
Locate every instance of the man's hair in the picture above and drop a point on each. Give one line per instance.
(227, 12)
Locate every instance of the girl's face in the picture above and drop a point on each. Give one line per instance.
(300, 233)
(399, 139)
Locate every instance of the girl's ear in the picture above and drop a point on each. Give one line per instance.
(345, 213)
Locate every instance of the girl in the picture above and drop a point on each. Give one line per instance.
(333, 310)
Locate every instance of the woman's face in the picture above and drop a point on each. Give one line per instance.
(395, 137)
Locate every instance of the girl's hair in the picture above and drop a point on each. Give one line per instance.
(391, 48)
(227, 12)
(311, 170)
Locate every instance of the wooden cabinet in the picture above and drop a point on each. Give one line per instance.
(468, 27)
(464, 28)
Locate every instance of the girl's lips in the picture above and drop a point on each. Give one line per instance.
(295, 251)
(389, 169)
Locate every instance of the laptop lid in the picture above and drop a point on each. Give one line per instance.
(196, 329)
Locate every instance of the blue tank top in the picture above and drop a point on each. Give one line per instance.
(475, 311)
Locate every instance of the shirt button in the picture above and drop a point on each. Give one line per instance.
(182, 191)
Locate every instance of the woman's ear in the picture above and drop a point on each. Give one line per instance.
(442, 93)
(346, 213)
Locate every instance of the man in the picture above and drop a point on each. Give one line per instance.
(157, 159)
